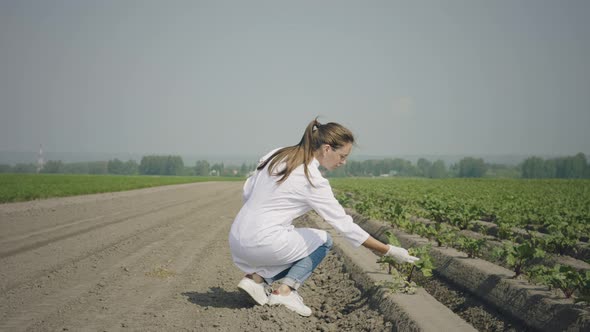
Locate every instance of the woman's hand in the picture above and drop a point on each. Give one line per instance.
(401, 255)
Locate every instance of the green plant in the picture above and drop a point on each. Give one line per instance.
(562, 237)
(344, 199)
(419, 229)
(565, 278)
(402, 272)
(430, 232)
(505, 230)
(462, 216)
(446, 235)
(392, 239)
(395, 212)
(519, 255)
(472, 247)
(424, 265)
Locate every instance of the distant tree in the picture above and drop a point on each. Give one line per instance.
(116, 166)
(579, 164)
(438, 170)
(131, 167)
(174, 165)
(472, 167)
(119, 167)
(188, 171)
(504, 171)
(354, 168)
(218, 168)
(423, 166)
(375, 167)
(454, 170)
(243, 169)
(534, 167)
(371, 167)
(161, 165)
(97, 167)
(202, 168)
(53, 166)
(550, 168)
(337, 173)
(75, 168)
(25, 168)
(148, 166)
(403, 167)
(571, 167)
(5, 168)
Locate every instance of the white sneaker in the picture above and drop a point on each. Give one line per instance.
(256, 291)
(292, 301)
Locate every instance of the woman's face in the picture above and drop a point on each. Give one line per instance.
(331, 158)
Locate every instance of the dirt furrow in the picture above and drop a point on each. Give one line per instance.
(47, 215)
(136, 281)
(41, 279)
(91, 244)
(32, 264)
(166, 270)
(46, 219)
(43, 238)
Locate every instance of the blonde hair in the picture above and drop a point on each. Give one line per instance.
(315, 135)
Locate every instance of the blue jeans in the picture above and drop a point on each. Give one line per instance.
(301, 270)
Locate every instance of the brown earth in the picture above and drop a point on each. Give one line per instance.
(150, 260)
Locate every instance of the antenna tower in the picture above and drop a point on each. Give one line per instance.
(40, 161)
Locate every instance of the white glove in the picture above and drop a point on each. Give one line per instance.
(401, 255)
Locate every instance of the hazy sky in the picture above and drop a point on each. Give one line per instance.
(241, 77)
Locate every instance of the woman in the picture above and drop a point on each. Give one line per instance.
(287, 184)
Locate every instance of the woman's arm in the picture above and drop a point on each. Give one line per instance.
(376, 245)
(400, 254)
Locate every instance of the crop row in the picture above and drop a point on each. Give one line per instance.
(455, 206)
(558, 208)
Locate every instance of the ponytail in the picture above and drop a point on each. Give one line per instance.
(314, 137)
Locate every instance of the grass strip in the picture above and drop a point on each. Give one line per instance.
(27, 187)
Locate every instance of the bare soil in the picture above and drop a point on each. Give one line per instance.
(150, 260)
(468, 307)
(532, 305)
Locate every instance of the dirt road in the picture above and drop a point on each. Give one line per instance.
(149, 260)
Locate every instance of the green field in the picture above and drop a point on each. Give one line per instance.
(559, 209)
(527, 226)
(26, 187)
(519, 202)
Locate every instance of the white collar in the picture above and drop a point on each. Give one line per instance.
(315, 162)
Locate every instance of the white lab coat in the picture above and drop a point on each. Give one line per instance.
(262, 238)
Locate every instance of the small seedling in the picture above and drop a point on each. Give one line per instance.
(402, 273)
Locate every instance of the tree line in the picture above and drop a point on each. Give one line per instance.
(149, 165)
(466, 167)
(572, 167)
(533, 167)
